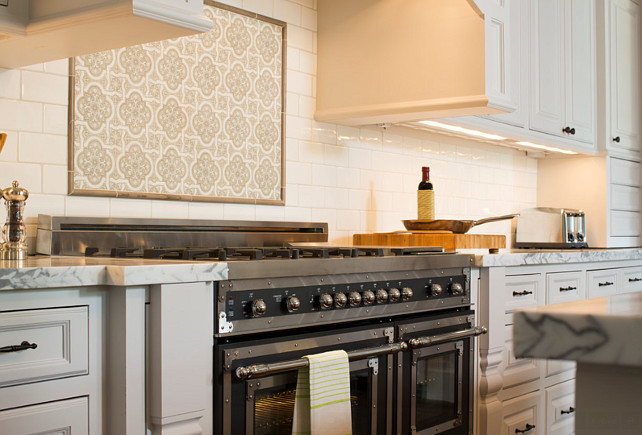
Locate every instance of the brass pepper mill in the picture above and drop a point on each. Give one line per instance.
(14, 232)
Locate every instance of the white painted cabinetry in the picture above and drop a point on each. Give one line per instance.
(562, 64)
(622, 72)
(55, 383)
(530, 395)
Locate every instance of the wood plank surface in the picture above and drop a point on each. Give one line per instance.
(450, 242)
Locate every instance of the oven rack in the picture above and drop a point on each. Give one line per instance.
(260, 370)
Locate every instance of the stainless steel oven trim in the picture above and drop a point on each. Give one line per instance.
(427, 352)
(244, 351)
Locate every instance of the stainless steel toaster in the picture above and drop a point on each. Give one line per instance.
(553, 228)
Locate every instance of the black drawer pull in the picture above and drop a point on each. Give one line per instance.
(635, 279)
(16, 347)
(569, 130)
(522, 293)
(527, 429)
(569, 411)
(616, 139)
(604, 284)
(567, 289)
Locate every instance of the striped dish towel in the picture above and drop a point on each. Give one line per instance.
(322, 403)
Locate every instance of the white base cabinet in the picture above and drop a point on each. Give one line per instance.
(60, 417)
(533, 396)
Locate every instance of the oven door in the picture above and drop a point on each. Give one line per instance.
(436, 377)
(265, 404)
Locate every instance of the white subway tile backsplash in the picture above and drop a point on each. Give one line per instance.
(10, 83)
(46, 88)
(28, 175)
(125, 207)
(309, 18)
(55, 119)
(299, 83)
(60, 66)
(42, 148)
(20, 115)
(287, 11)
(54, 179)
(170, 210)
(87, 206)
(301, 38)
(356, 179)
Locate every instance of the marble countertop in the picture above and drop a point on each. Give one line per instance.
(48, 272)
(603, 330)
(522, 257)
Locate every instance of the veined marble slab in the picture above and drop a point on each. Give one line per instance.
(603, 330)
(49, 272)
(534, 256)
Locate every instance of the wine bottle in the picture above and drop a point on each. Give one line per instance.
(425, 196)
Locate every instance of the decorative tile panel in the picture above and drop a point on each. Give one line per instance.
(197, 118)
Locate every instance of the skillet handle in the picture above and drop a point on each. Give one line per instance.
(495, 218)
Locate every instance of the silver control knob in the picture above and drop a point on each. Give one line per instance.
(258, 307)
(355, 299)
(368, 297)
(406, 293)
(382, 296)
(456, 288)
(394, 294)
(340, 300)
(435, 290)
(292, 303)
(325, 301)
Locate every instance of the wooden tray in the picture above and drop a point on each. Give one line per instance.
(446, 239)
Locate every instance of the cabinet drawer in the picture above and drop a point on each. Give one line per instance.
(63, 416)
(560, 408)
(602, 282)
(625, 198)
(630, 279)
(565, 287)
(523, 291)
(625, 172)
(518, 371)
(521, 415)
(625, 223)
(556, 366)
(61, 336)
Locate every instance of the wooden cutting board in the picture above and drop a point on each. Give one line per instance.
(449, 241)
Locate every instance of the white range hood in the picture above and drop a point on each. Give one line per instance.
(34, 31)
(391, 61)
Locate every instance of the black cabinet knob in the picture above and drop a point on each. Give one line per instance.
(569, 130)
(616, 139)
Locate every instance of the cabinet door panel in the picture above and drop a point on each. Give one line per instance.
(62, 417)
(625, 74)
(579, 59)
(560, 408)
(522, 414)
(547, 97)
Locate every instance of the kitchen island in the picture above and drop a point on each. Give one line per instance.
(602, 335)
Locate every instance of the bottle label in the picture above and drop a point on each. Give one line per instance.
(426, 204)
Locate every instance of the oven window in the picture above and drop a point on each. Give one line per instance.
(274, 403)
(436, 390)
(274, 407)
(360, 392)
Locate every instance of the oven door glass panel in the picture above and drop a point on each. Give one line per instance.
(271, 400)
(437, 388)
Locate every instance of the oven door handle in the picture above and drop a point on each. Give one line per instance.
(260, 370)
(415, 343)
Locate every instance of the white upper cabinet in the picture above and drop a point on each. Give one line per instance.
(562, 65)
(34, 31)
(623, 64)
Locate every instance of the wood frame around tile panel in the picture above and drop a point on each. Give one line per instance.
(174, 197)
